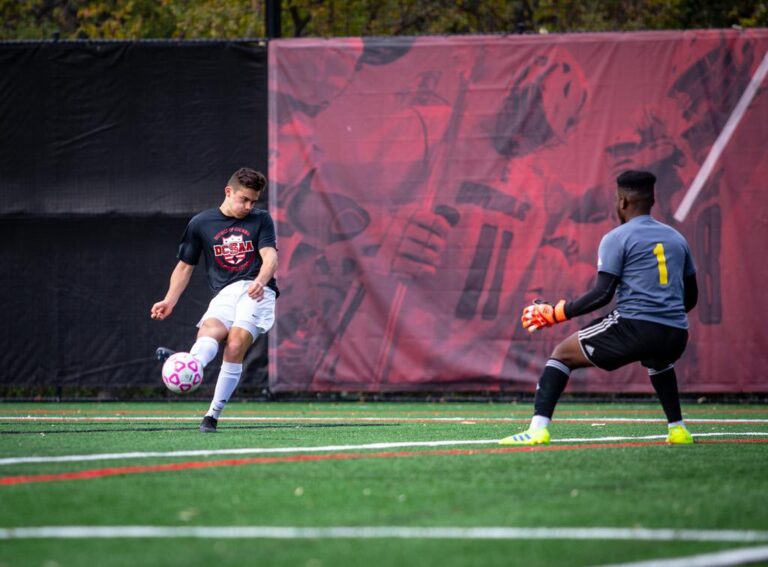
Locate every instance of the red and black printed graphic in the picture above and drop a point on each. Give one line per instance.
(429, 189)
(234, 250)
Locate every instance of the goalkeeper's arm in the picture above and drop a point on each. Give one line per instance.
(601, 295)
(597, 297)
(691, 292)
(541, 314)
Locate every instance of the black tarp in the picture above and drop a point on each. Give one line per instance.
(128, 128)
(106, 150)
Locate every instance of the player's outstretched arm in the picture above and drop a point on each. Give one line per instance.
(266, 273)
(541, 314)
(179, 280)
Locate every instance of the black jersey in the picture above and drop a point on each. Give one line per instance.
(230, 246)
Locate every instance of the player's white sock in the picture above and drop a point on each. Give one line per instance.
(226, 383)
(676, 423)
(539, 421)
(205, 350)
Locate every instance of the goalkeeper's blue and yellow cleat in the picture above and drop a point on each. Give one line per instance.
(530, 437)
(679, 435)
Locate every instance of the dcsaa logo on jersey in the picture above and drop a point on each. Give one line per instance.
(182, 373)
(234, 250)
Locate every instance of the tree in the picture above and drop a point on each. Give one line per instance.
(229, 19)
(131, 19)
(625, 15)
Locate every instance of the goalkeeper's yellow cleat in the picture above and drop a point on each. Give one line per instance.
(530, 437)
(679, 435)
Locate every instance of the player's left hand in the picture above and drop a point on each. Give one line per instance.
(256, 290)
(541, 314)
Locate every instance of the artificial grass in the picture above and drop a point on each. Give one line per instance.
(706, 486)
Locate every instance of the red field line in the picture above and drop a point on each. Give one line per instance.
(348, 419)
(562, 412)
(190, 465)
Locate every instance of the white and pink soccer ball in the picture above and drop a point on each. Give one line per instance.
(182, 373)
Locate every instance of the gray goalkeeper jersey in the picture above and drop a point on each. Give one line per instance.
(651, 259)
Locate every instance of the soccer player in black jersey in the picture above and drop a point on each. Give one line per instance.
(239, 245)
(650, 265)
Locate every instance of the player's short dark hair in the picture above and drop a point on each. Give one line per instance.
(633, 180)
(248, 178)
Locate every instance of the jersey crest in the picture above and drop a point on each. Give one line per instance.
(233, 249)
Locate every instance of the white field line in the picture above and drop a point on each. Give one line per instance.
(381, 532)
(328, 448)
(717, 559)
(346, 419)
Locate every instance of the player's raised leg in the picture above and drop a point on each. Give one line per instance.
(206, 346)
(211, 332)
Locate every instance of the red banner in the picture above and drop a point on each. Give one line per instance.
(427, 189)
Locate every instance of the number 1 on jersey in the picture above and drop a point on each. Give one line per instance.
(662, 260)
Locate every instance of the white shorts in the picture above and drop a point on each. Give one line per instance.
(234, 308)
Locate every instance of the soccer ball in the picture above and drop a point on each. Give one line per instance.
(182, 373)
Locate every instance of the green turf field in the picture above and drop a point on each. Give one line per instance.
(366, 484)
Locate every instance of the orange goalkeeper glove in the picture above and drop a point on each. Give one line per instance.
(541, 314)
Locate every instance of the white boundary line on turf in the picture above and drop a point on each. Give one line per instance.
(32, 418)
(327, 448)
(380, 532)
(716, 559)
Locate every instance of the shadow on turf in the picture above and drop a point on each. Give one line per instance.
(194, 428)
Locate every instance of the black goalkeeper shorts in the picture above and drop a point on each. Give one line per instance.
(612, 341)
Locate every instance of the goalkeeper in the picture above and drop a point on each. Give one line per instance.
(649, 266)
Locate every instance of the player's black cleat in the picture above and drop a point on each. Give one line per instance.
(162, 354)
(209, 424)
